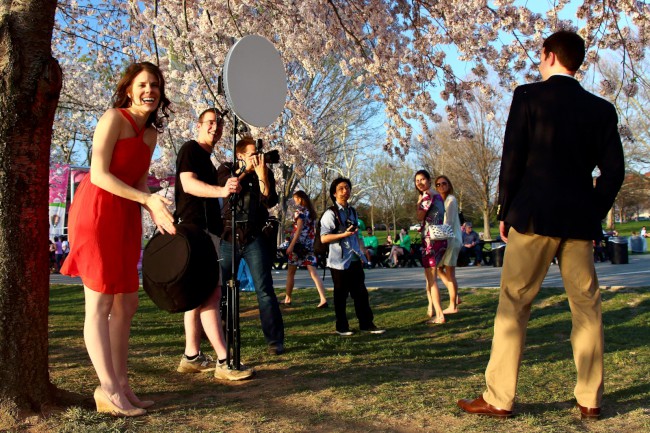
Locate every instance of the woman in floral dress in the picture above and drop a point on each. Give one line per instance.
(431, 211)
(301, 248)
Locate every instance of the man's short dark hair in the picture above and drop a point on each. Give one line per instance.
(241, 145)
(569, 48)
(335, 183)
(209, 110)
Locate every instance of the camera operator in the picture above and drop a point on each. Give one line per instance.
(257, 196)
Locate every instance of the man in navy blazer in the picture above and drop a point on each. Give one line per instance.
(549, 205)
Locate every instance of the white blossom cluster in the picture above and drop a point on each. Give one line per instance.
(395, 51)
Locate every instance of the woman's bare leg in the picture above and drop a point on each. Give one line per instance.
(97, 336)
(124, 307)
(318, 282)
(434, 292)
(291, 278)
(448, 277)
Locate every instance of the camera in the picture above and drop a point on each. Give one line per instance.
(351, 226)
(270, 157)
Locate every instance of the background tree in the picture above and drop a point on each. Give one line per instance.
(630, 93)
(393, 193)
(401, 61)
(471, 159)
(632, 198)
(30, 82)
(338, 128)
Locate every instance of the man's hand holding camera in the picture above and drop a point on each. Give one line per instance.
(351, 229)
(255, 162)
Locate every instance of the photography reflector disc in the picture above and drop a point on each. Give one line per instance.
(254, 81)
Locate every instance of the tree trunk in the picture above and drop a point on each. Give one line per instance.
(610, 219)
(30, 82)
(486, 222)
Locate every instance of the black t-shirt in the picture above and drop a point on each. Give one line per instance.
(191, 209)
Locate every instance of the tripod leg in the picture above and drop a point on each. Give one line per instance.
(236, 364)
(230, 292)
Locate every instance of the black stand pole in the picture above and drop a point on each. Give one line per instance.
(233, 338)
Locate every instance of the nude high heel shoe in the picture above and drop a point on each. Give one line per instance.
(143, 404)
(105, 405)
(135, 401)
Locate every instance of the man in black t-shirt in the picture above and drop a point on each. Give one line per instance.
(256, 197)
(197, 202)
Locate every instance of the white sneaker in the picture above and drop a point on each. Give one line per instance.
(374, 330)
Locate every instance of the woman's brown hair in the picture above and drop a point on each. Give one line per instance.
(121, 98)
(308, 204)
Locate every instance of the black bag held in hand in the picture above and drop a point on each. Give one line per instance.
(180, 272)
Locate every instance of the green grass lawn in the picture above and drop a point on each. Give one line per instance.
(407, 380)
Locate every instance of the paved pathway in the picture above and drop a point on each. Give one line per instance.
(634, 274)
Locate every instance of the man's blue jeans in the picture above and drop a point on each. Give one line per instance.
(256, 256)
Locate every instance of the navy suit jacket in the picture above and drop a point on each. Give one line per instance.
(556, 134)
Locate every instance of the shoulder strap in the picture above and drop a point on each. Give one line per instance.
(128, 117)
(337, 217)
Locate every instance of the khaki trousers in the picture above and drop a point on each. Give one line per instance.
(526, 262)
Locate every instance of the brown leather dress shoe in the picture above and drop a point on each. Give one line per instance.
(589, 412)
(482, 407)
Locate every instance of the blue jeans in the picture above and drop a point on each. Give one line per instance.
(260, 266)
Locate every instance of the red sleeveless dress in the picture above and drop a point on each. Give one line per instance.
(105, 230)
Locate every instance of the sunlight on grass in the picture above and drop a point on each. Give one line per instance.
(407, 380)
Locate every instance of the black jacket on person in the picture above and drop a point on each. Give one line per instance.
(556, 134)
(252, 211)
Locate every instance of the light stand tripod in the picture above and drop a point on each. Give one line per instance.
(255, 85)
(233, 337)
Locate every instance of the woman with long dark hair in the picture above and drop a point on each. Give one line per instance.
(431, 211)
(301, 248)
(106, 229)
(447, 267)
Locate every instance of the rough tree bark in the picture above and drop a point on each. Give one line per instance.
(30, 82)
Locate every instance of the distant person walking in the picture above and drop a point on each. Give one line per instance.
(549, 205)
(447, 267)
(58, 253)
(300, 251)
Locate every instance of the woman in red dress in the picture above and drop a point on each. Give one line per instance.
(105, 229)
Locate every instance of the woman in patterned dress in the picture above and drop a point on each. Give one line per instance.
(301, 248)
(430, 210)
